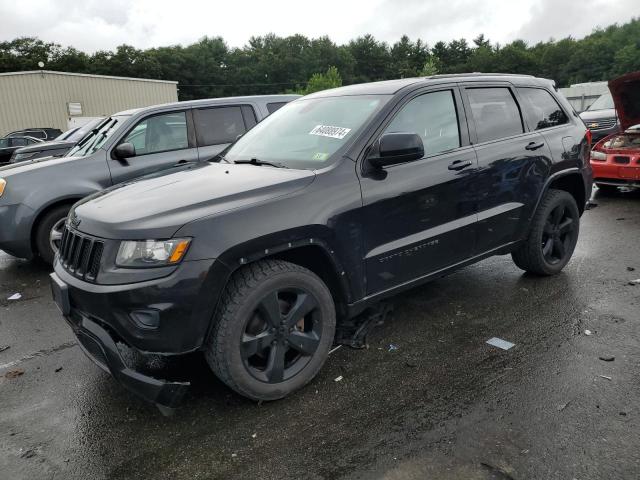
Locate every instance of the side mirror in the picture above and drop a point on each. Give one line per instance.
(394, 148)
(124, 150)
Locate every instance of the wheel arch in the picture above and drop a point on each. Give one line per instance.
(312, 253)
(44, 211)
(570, 181)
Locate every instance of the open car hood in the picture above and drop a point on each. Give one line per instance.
(625, 91)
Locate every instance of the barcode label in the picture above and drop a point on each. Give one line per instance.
(329, 131)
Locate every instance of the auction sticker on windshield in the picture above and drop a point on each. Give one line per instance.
(329, 131)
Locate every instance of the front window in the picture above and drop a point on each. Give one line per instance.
(160, 133)
(306, 133)
(97, 137)
(603, 102)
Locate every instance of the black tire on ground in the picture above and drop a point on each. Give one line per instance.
(43, 232)
(607, 189)
(249, 352)
(552, 236)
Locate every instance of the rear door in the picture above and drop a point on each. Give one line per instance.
(161, 140)
(419, 216)
(219, 126)
(512, 163)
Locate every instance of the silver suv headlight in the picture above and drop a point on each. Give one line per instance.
(151, 253)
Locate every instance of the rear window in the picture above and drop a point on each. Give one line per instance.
(541, 109)
(272, 107)
(215, 126)
(495, 113)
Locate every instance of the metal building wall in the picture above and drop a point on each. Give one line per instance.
(582, 95)
(40, 99)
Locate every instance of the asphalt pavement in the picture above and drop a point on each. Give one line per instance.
(428, 398)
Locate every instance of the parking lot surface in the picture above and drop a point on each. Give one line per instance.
(428, 398)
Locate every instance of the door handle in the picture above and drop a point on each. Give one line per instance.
(459, 165)
(534, 146)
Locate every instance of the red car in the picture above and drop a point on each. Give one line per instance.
(616, 159)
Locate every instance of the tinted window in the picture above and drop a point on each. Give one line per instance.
(19, 142)
(272, 107)
(541, 109)
(432, 116)
(160, 133)
(4, 143)
(495, 113)
(218, 125)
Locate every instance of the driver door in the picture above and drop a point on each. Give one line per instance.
(161, 141)
(420, 216)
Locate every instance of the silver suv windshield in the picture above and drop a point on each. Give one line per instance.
(306, 133)
(97, 137)
(603, 102)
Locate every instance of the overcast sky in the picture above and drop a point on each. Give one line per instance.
(91, 25)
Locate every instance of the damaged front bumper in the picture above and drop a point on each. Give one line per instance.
(100, 346)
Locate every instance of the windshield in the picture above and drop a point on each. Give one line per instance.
(603, 102)
(97, 137)
(306, 133)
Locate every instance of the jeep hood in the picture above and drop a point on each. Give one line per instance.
(625, 91)
(157, 206)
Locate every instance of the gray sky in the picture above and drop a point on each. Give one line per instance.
(91, 25)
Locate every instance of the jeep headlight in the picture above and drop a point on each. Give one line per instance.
(151, 253)
(3, 184)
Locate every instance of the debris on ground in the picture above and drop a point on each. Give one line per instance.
(15, 296)
(353, 332)
(607, 358)
(234, 455)
(635, 282)
(28, 454)
(620, 218)
(334, 349)
(590, 205)
(500, 343)
(496, 472)
(14, 373)
(588, 332)
(392, 347)
(254, 435)
(563, 406)
(4, 347)
(605, 377)
(631, 269)
(410, 362)
(58, 369)
(338, 379)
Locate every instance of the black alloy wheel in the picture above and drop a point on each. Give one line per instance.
(282, 335)
(559, 234)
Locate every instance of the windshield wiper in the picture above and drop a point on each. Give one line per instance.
(255, 161)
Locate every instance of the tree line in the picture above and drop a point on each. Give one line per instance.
(273, 64)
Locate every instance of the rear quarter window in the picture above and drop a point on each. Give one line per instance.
(540, 108)
(272, 107)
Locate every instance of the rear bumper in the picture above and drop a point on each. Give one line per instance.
(100, 346)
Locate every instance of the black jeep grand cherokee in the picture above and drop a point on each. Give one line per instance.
(337, 200)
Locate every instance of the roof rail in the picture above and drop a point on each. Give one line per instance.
(478, 74)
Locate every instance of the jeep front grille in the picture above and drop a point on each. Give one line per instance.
(80, 254)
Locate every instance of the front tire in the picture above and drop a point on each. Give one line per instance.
(552, 237)
(49, 233)
(272, 330)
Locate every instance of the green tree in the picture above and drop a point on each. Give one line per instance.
(429, 68)
(322, 81)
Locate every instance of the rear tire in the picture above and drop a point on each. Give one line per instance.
(272, 330)
(552, 237)
(45, 243)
